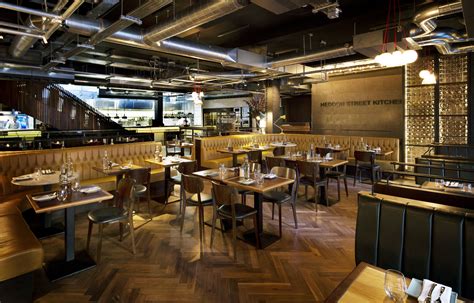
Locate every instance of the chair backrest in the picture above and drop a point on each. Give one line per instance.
(288, 173)
(192, 184)
(224, 195)
(323, 151)
(254, 156)
(124, 195)
(364, 156)
(187, 168)
(279, 151)
(308, 169)
(140, 175)
(272, 162)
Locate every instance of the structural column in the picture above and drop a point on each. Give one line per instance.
(158, 121)
(272, 95)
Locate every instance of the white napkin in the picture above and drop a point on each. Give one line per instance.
(46, 197)
(270, 176)
(90, 190)
(436, 295)
(22, 178)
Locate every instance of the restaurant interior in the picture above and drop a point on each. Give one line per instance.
(236, 151)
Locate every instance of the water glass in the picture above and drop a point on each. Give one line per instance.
(38, 173)
(259, 177)
(222, 170)
(62, 193)
(439, 183)
(395, 285)
(76, 184)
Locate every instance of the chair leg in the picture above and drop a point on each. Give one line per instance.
(234, 237)
(99, 243)
(149, 202)
(326, 196)
(338, 190)
(279, 217)
(355, 176)
(345, 185)
(183, 216)
(306, 192)
(89, 233)
(201, 224)
(273, 211)
(214, 218)
(255, 227)
(244, 199)
(132, 234)
(121, 231)
(293, 206)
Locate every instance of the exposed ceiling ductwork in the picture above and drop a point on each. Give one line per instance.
(21, 44)
(332, 53)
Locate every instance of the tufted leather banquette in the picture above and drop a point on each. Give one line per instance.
(210, 157)
(20, 254)
(421, 239)
(84, 159)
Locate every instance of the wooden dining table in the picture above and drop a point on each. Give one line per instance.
(182, 146)
(72, 262)
(117, 170)
(366, 284)
(235, 152)
(231, 179)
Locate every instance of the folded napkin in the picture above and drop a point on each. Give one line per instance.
(270, 176)
(46, 197)
(90, 190)
(22, 178)
(434, 292)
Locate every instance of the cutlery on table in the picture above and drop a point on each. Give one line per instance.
(428, 298)
(440, 294)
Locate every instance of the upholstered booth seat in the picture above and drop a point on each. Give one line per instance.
(209, 157)
(421, 239)
(84, 160)
(20, 254)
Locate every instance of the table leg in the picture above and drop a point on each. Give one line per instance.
(181, 152)
(167, 178)
(235, 162)
(266, 239)
(72, 263)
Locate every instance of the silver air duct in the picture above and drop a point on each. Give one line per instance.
(193, 18)
(30, 11)
(425, 19)
(315, 56)
(21, 44)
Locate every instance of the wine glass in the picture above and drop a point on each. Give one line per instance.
(395, 285)
(38, 172)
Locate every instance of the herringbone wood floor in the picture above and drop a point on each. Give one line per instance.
(304, 266)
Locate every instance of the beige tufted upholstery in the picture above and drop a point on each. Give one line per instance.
(210, 157)
(84, 159)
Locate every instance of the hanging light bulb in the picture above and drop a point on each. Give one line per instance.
(430, 79)
(410, 56)
(424, 73)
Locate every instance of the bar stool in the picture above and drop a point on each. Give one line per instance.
(226, 207)
(195, 186)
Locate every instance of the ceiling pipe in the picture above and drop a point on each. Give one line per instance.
(314, 56)
(425, 18)
(20, 33)
(21, 45)
(192, 18)
(30, 11)
(18, 26)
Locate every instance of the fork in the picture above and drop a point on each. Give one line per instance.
(440, 294)
(428, 298)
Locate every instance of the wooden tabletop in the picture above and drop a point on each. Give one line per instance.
(168, 163)
(232, 180)
(44, 179)
(364, 284)
(281, 144)
(260, 148)
(181, 145)
(334, 148)
(235, 151)
(116, 170)
(323, 162)
(458, 190)
(76, 199)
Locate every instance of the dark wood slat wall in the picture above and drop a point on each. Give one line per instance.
(48, 103)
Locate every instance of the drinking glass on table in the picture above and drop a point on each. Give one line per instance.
(439, 183)
(395, 285)
(62, 194)
(76, 184)
(38, 172)
(259, 177)
(222, 170)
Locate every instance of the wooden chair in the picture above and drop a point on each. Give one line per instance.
(309, 175)
(323, 151)
(186, 168)
(279, 151)
(195, 186)
(272, 162)
(337, 175)
(142, 185)
(281, 197)
(365, 160)
(255, 156)
(121, 212)
(225, 206)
